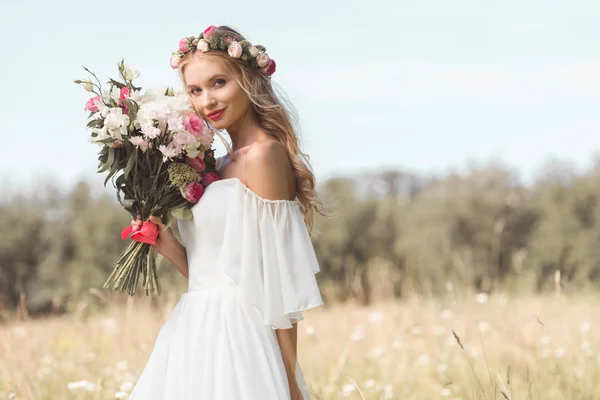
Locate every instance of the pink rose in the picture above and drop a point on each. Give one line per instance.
(175, 60)
(262, 60)
(203, 46)
(192, 192)
(91, 104)
(193, 124)
(234, 50)
(210, 178)
(253, 51)
(209, 33)
(270, 68)
(184, 45)
(196, 163)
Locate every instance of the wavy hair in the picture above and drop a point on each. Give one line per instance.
(276, 115)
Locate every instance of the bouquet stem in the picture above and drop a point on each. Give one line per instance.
(137, 259)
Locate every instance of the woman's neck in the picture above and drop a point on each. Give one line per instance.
(244, 132)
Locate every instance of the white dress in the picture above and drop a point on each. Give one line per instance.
(252, 269)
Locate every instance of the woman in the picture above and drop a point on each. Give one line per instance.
(247, 252)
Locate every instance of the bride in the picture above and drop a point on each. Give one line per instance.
(247, 252)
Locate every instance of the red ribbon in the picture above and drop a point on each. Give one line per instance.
(147, 233)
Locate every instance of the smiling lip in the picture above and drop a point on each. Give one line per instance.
(215, 114)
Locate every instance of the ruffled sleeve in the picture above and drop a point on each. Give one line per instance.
(277, 264)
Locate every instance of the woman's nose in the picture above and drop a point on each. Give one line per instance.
(207, 100)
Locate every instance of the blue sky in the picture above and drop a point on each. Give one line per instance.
(425, 86)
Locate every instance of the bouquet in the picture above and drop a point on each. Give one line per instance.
(158, 153)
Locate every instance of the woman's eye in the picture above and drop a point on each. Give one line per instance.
(219, 82)
(195, 91)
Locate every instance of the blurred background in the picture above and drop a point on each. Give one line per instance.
(455, 144)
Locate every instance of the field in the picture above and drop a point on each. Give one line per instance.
(504, 348)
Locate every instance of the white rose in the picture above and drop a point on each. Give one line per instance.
(203, 46)
(234, 50)
(262, 60)
(253, 51)
(130, 73)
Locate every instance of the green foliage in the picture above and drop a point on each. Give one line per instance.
(391, 233)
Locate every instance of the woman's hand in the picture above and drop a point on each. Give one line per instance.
(295, 393)
(167, 245)
(166, 242)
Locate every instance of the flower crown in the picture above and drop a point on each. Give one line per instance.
(213, 39)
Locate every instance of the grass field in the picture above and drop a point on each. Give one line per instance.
(515, 348)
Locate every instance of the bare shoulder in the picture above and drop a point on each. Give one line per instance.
(268, 171)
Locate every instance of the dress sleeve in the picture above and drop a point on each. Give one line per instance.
(278, 262)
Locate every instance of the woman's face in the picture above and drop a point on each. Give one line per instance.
(215, 93)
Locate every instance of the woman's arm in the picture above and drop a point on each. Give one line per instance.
(178, 257)
(169, 247)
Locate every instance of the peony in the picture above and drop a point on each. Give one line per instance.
(270, 68)
(203, 46)
(193, 124)
(130, 73)
(91, 104)
(210, 178)
(235, 50)
(196, 163)
(209, 33)
(175, 60)
(192, 192)
(184, 45)
(253, 51)
(262, 60)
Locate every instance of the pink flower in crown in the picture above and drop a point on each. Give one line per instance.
(270, 68)
(209, 33)
(235, 50)
(175, 60)
(196, 163)
(184, 45)
(193, 124)
(203, 45)
(91, 104)
(192, 192)
(262, 60)
(253, 51)
(210, 178)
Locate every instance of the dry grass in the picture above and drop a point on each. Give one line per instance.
(531, 348)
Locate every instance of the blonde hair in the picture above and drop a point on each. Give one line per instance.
(273, 113)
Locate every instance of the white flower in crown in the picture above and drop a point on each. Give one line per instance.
(262, 60)
(203, 46)
(235, 50)
(253, 51)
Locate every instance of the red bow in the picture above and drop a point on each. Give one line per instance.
(147, 233)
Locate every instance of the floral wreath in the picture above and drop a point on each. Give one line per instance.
(213, 39)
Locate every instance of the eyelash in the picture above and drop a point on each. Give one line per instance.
(193, 91)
